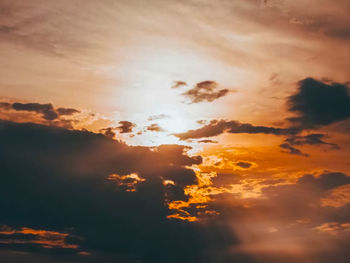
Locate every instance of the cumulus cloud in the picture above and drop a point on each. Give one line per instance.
(155, 128)
(205, 91)
(129, 202)
(319, 103)
(59, 188)
(125, 126)
(46, 110)
(108, 132)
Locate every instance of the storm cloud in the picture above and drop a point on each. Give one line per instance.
(68, 187)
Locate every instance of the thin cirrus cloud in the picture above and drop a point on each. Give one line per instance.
(158, 117)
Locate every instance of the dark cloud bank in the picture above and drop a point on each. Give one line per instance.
(57, 179)
(47, 111)
(60, 180)
(318, 103)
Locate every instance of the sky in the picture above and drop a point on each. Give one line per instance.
(189, 131)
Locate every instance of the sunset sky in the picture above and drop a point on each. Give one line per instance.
(188, 131)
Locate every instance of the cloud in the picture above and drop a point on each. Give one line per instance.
(66, 111)
(56, 189)
(108, 194)
(217, 127)
(5, 105)
(155, 128)
(158, 117)
(47, 111)
(318, 103)
(310, 139)
(23, 236)
(292, 150)
(325, 181)
(319, 21)
(206, 91)
(178, 84)
(125, 126)
(207, 141)
(243, 164)
(290, 231)
(108, 132)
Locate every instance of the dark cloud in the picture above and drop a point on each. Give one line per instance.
(325, 181)
(66, 111)
(310, 139)
(47, 111)
(84, 184)
(243, 164)
(125, 126)
(207, 141)
(108, 132)
(318, 103)
(5, 105)
(216, 127)
(155, 127)
(205, 91)
(59, 180)
(292, 150)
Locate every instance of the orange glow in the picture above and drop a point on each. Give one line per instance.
(45, 238)
(129, 181)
